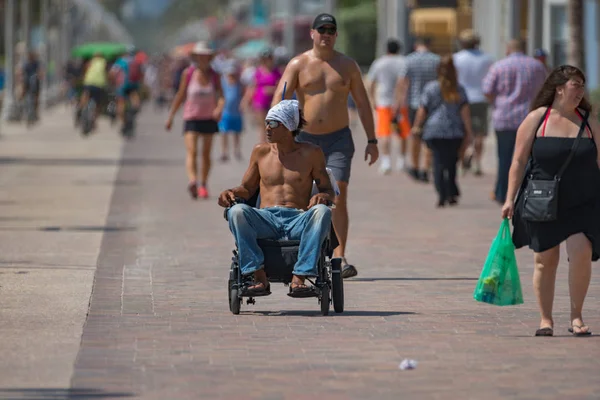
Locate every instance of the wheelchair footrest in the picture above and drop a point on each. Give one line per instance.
(304, 293)
(251, 293)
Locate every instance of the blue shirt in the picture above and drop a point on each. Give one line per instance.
(123, 64)
(233, 97)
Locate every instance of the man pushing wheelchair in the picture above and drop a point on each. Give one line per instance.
(282, 171)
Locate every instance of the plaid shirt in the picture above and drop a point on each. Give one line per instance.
(421, 68)
(513, 82)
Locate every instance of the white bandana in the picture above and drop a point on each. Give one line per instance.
(287, 112)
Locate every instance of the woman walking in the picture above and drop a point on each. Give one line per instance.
(231, 123)
(545, 139)
(260, 92)
(200, 87)
(447, 129)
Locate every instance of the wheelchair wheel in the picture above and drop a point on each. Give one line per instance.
(325, 300)
(337, 285)
(235, 301)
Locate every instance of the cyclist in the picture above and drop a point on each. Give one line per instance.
(94, 84)
(128, 75)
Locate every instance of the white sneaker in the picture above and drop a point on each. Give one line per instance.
(385, 166)
(385, 170)
(400, 164)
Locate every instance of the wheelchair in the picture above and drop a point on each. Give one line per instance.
(280, 257)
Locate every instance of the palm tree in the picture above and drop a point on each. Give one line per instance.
(576, 38)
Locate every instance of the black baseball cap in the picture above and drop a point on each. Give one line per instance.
(324, 19)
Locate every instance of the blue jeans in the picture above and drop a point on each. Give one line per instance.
(506, 147)
(248, 224)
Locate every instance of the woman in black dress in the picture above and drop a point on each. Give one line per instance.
(544, 141)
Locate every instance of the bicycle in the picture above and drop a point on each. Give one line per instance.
(128, 129)
(87, 117)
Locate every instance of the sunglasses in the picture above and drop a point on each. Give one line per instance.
(273, 124)
(329, 31)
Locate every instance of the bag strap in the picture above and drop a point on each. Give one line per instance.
(189, 72)
(575, 145)
(540, 123)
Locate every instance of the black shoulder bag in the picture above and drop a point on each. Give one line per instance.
(540, 198)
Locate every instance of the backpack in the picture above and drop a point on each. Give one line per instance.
(135, 72)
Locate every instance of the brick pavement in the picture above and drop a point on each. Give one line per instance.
(159, 325)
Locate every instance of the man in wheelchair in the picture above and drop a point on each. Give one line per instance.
(283, 170)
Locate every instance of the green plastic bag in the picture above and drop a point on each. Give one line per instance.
(499, 283)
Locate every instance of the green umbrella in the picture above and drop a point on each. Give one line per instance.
(107, 49)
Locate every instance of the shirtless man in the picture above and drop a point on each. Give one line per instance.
(284, 170)
(322, 79)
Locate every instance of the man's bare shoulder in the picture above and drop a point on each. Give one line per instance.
(311, 150)
(260, 150)
(343, 58)
(300, 60)
(347, 63)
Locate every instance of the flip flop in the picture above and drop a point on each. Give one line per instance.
(258, 292)
(302, 291)
(587, 333)
(547, 331)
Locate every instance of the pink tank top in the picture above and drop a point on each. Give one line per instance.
(264, 78)
(201, 100)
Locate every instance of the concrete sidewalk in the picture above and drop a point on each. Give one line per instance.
(55, 189)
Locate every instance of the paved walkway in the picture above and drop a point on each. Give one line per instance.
(159, 326)
(55, 191)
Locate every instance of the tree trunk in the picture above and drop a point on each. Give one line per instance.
(576, 38)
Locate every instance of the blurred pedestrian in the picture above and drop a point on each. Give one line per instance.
(200, 88)
(231, 123)
(472, 65)
(260, 93)
(511, 85)
(542, 56)
(443, 122)
(383, 78)
(421, 68)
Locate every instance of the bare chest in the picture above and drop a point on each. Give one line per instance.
(289, 170)
(319, 77)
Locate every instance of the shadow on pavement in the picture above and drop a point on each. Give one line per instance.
(316, 313)
(105, 182)
(87, 162)
(59, 394)
(410, 279)
(71, 228)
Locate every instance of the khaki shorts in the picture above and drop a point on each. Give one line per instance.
(479, 118)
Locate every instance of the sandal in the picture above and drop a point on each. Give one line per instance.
(547, 331)
(580, 333)
(300, 290)
(254, 291)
